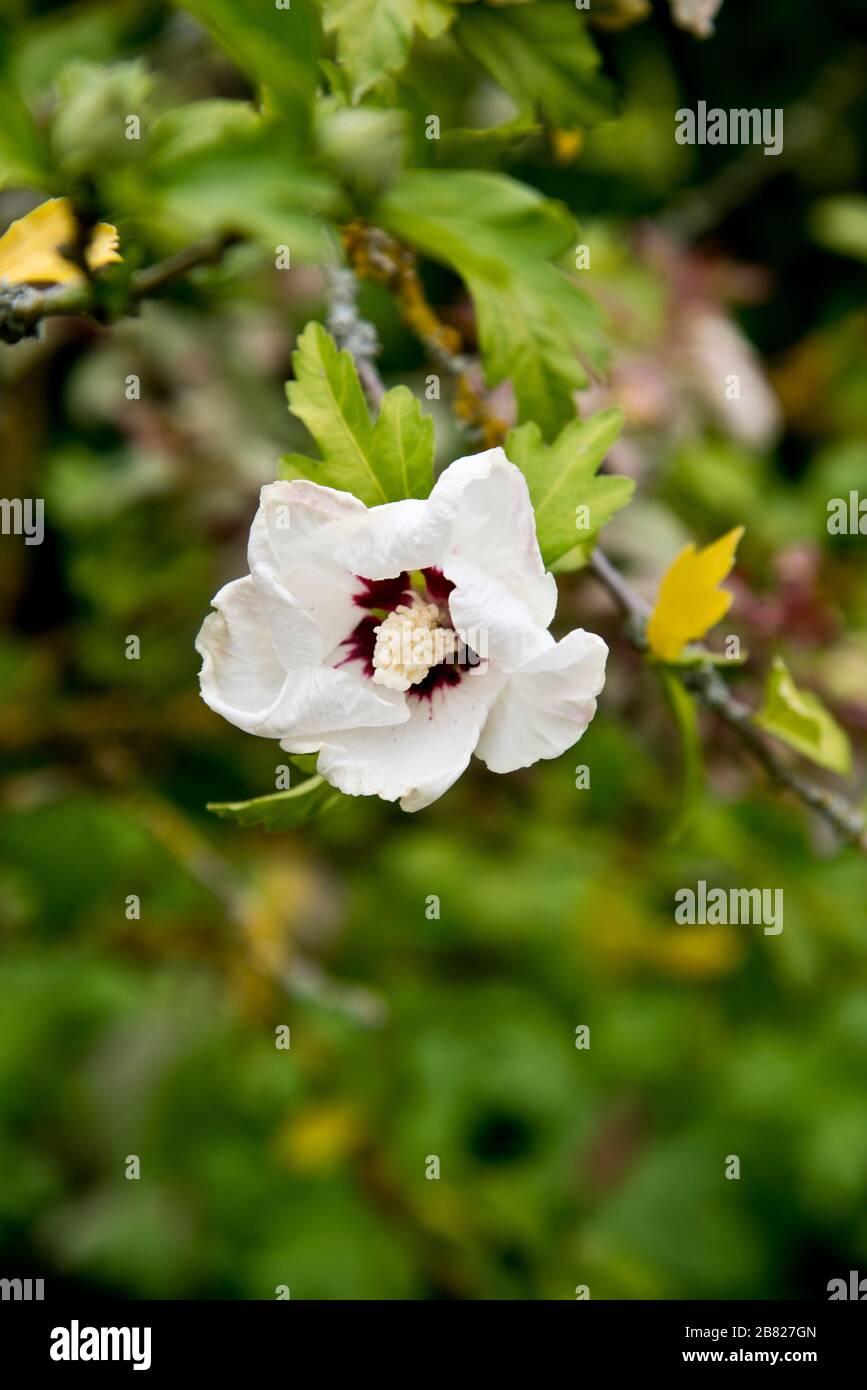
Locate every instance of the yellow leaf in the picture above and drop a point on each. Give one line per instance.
(690, 600)
(103, 248)
(31, 249)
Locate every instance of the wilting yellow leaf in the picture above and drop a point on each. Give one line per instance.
(31, 250)
(690, 600)
(104, 247)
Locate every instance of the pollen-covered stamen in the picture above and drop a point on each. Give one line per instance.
(409, 643)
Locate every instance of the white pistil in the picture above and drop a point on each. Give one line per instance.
(409, 643)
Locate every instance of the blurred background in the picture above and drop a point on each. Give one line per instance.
(455, 1036)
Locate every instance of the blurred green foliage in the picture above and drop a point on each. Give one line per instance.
(414, 1035)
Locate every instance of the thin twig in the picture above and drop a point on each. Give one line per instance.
(374, 255)
(350, 331)
(23, 307)
(154, 278)
(633, 605)
(708, 686)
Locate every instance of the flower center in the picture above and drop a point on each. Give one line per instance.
(409, 643)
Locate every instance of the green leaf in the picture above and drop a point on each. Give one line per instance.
(378, 462)
(374, 36)
(87, 131)
(305, 762)
(500, 236)
(363, 146)
(475, 148)
(279, 49)
(186, 132)
(281, 810)
(403, 444)
(44, 46)
(219, 167)
(483, 223)
(23, 159)
(530, 331)
(326, 394)
(800, 719)
(434, 17)
(841, 224)
(563, 477)
(543, 56)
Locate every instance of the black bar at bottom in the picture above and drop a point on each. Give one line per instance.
(85, 1338)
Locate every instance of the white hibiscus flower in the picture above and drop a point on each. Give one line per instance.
(396, 641)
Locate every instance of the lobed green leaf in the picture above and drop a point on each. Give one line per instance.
(381, 461)
(562, 477)
(501, 236)
(543, 56)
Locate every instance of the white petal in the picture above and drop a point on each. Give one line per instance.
(321, 701)
(479, 508)
(393, 538)
(419, 760)
(412, 535)
(307, 596)
(490, 618)
(241, 678)
(316, 516)
(546, 705)
(485, 502)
